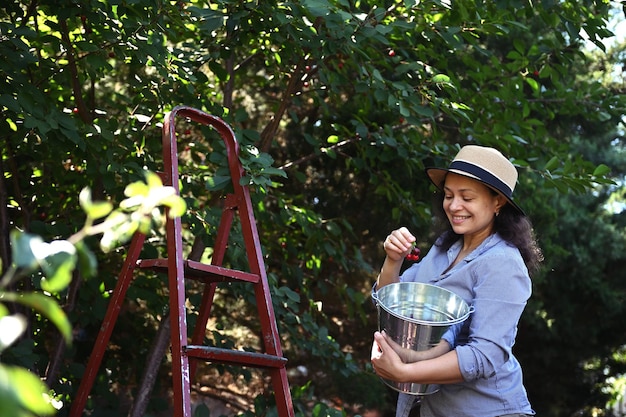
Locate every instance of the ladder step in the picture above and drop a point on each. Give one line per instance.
(201, 271)
(237, 357)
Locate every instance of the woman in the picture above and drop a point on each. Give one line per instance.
(485, 256)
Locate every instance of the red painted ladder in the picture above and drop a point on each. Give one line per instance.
(178, 269)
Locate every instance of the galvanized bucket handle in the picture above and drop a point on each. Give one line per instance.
(375, 298)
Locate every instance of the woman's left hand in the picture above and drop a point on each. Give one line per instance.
(385, 360)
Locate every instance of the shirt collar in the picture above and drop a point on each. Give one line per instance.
(485, 245)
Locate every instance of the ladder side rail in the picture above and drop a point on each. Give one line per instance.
(176, 271)
(255, 258)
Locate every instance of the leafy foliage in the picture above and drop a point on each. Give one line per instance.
(22, 392)
(338, 107)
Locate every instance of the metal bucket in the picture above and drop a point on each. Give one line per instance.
(415, 316)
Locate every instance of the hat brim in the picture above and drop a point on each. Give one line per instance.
(438, 176)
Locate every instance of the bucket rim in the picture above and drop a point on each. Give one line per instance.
(469, 309)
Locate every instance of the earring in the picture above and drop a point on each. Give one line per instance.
(497, 213)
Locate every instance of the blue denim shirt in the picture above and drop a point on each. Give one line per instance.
(494, 280)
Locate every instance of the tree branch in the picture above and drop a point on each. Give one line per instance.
(310, 156)
(83, 111)
(271, 128)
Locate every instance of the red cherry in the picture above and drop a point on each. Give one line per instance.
(414, 255)
(536, 73)
(392, 53)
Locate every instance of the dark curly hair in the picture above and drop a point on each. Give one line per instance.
(514, 227)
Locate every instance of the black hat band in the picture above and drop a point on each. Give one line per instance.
(485, 176)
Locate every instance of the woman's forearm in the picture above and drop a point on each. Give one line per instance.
(443, 369)
(414, 356)
(397, 245)
(389, 273)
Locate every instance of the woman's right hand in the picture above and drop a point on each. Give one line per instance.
(399, 244)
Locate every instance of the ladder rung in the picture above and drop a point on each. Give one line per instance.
(201, 271)
(237, 357)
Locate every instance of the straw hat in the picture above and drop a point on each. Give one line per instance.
(486, 165)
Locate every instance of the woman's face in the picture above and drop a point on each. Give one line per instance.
(470, 205)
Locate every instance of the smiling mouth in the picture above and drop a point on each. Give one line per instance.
(459, 218)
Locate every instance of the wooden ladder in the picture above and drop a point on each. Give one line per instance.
(184, 354)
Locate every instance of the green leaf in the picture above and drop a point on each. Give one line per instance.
(57, 259)
(133, 203)
(91, 209)
(45, 305)
(601, 170)
(292, 295)
(219, 71)
(153, 180)
(122, 230)
(552, 163)
(329, 152)
(441, 78)
(87, 261)
(21, 389)
(217, 182)
(58, 264)
(158, 196)
(23, 256)
(533, 84)
(138, 188)
(317, 8)
(11, 328)
(275, 171)
(177, 206)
